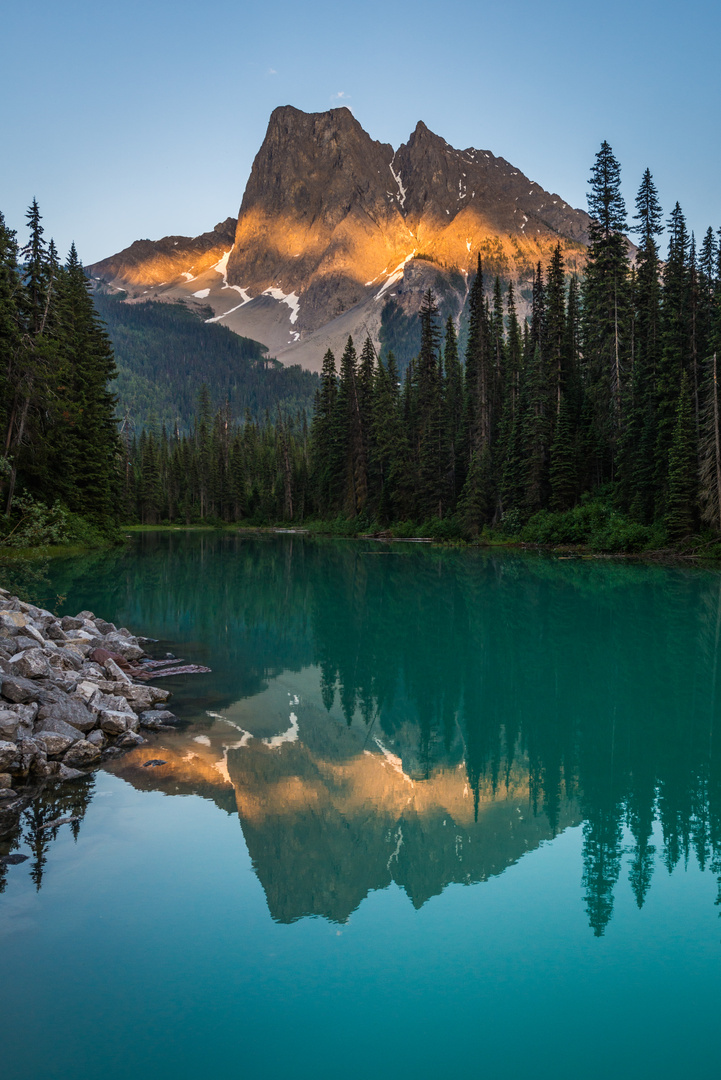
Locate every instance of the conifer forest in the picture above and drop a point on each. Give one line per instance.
(596, 419)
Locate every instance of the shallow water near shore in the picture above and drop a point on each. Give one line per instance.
(432, 811)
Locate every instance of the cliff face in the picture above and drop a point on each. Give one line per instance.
(333, 224)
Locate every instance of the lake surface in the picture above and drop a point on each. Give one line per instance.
(433, 812)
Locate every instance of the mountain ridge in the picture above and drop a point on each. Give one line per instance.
(333, 224)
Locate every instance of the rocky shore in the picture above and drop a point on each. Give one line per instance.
(69, 695)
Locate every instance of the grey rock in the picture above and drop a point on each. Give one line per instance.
(83, 615)
(11, 623)
(7, 793)
(66, 773)
(8, 724)
(54, 743)
(51, 725)
(157, 719)
(8, 754)
(26, 714)
(71, 711)
(69, 623)
(55, 632)
(104, 627)
(126, 648)
(70, 659)
(14, 688)
(117, 674)
(32, 632)
(13, 860)
(97, 738)
(30, 664)
(130, 739)
(6, 780)
(82, 754)
(112, 703)
(112, 722)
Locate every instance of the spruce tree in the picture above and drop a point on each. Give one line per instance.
(682, 468)
(606, 325)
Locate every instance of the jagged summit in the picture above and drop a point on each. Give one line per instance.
(333, 224)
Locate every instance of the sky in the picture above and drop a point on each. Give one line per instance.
(142, 119)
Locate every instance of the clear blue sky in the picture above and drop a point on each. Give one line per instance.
(142, 119)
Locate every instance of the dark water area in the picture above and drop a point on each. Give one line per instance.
(433, 810)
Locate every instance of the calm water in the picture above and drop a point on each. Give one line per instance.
(432, 812)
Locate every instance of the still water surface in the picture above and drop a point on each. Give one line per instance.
(432, 812)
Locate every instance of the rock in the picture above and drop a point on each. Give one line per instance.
(9, 721)
(130, 739)
(157, 719)
(86, 691)
(112, 722)
(104, 627)
(54, 743)
(84, 615)
(112, 702)
(69, 658)
(121, 645)
(37, 637)
(6, 780)
(70, 710)
(116, 673)
(69, 623)
(153, 763)
(30, 664)
(82, 754)
(11, 622)
(9, 754)
(55, 632)
(17, 689)
(7, 793)
(138, 696)
(23, 642)
(66, 773)
(26, 714)
(13, 860)
(97, 738)
(53, 726)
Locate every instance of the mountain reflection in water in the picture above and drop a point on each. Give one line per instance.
(453, 709)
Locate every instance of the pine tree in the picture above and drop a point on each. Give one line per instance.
(606, 329)
(682, 466)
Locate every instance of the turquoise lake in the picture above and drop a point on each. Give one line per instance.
(433, 813)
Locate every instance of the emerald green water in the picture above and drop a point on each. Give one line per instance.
(432, 812)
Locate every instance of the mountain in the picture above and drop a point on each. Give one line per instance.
(339, 234)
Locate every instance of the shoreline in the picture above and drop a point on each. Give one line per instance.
(74, 693)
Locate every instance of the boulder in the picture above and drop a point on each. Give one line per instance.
(66, 773)
(157, 719)
(11, 623)
(6, 780)
(69, 623)
(81, 754)
(35, 634)
(130, 739)
(8, 724)
(97, 738)
(116, 673)
(70, 710)
(112, 722)
(122, 645)
(15, 688)
(55, 632)
(30, 664)
(54, 744)
(25, 713)
(104, 627)
(70, 659)
(59, 727)
(8, 754)
(86, 691)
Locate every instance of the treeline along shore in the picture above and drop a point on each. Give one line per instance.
(596, 420)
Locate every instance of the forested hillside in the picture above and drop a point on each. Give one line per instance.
(599, 419)
(165, 352)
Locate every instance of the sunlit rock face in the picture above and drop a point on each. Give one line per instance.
(149, 263)
(333, 225)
